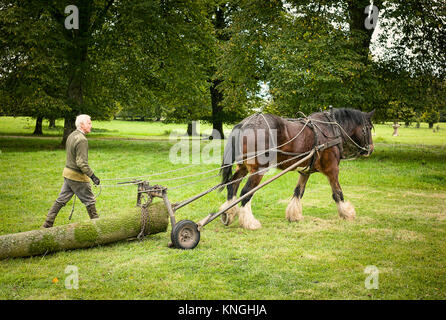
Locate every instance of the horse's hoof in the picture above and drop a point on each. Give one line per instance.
(253, 225)
(293, 211)
(346, 210)
(229, 215)
(295, 219)
(246, 218)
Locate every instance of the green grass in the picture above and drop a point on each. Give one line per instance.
(399, 194)
(24, 126)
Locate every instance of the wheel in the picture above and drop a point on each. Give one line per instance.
(185, 235)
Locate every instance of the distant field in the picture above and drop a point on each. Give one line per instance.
(114, 128)
(399, 194)
(156, 130)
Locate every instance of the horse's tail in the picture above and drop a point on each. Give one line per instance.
(229, 155)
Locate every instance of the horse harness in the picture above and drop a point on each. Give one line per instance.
(335, 139)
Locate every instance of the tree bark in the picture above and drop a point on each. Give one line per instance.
(191, 129)
(69, 126)
(217, 108)
(52, 123)
(395, 127)
(83, 234)
(358, 32)
(220, 24)
(77, 56)
(38, 128)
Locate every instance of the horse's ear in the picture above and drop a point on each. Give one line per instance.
(370, 114)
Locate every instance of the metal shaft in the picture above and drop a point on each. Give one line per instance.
(213, 216)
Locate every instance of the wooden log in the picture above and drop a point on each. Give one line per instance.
(84, 234)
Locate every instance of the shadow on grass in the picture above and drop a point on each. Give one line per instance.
(33, 144)
(28, 145)
(420, 154)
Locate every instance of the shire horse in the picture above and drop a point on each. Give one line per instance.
(280, 141)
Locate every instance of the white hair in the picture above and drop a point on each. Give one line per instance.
(81, 119)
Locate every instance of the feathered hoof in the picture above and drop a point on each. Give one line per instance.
(229, 216)
(246, 218)
(293, 211)
(346, 210)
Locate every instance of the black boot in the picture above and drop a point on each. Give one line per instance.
(91, 209)
(49, 221)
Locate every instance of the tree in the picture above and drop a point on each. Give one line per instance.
(314, 59)
(413, 55)
(173, 58)
(30, 81)
(41, 54)
(242, 65)
(122, 54)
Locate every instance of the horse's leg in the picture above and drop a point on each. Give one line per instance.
(345, 209)
(229, 216)
(294, 208)
(246, 218)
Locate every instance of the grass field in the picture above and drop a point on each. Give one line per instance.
(24, 126)
(399, 194)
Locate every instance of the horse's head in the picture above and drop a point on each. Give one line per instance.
(362, 134)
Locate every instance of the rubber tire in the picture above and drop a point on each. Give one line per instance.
(185, 235)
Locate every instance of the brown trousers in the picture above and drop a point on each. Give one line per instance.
(81, 189)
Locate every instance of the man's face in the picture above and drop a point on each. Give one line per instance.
(86, 126)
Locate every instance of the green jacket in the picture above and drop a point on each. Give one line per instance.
(76, 167)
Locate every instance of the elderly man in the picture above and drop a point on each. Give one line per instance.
(76, 173)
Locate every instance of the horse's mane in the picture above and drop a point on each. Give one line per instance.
(347, 116)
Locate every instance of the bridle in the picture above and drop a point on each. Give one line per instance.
(365, 146)
(366, 131)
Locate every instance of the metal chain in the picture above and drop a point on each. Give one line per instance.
(144, 217)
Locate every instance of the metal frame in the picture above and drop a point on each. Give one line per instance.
(161, 192)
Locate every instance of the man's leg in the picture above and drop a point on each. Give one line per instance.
(64, 196)
(84, 193)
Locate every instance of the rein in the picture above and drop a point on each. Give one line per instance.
(307, 121)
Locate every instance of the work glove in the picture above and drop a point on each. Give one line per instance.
(95, 179)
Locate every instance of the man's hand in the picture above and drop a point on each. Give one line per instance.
(95, 179)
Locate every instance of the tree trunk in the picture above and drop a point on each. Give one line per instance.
(69, 126)
(191, 129)
(52, 123)
(217, 108)
(220, 23)
(431, 125)
(358, 32)
(83, 234)
(38, 128)
(395, 127)
(218, 126)
(77, 53)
